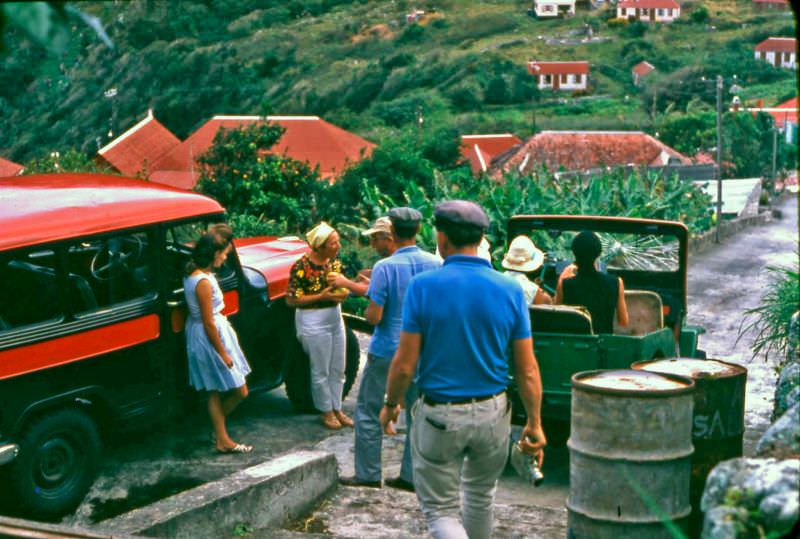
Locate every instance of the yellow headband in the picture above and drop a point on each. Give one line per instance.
(317, 235)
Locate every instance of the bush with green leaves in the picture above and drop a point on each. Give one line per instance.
(70, 161)
(770, 321)
(243, 176)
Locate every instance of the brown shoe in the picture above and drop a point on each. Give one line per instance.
(330, 421)
(343, 419)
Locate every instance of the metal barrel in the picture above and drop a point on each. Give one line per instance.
(629, 448)
(718, 420)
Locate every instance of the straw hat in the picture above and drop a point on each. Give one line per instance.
(523, 255)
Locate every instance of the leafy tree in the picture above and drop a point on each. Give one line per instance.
(700, 15)
(497, 91)
(70, 161)
(243, 176)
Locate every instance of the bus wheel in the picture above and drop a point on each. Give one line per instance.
(298, 381)
(57, 463)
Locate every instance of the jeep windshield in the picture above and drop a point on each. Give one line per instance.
(647, 254)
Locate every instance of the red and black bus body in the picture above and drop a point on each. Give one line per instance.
(91, 320)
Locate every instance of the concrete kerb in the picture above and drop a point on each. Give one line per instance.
(261, 497)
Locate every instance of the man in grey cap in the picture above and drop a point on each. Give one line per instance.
(458, 323)
(387, 288)
(380, 239)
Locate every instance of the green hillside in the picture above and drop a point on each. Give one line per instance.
(360, 65)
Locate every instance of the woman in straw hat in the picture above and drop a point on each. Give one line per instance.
(318, 321)
(522, 260)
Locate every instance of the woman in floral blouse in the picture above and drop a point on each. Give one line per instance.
(318, 321)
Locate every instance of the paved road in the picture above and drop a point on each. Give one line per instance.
(723, 282)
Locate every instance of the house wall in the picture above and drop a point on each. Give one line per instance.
(778, 59)
(649, 14)
(552, 8)
(565, 82)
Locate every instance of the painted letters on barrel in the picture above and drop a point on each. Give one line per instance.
(718, 420)
(630, 447)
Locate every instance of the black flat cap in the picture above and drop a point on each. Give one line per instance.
(461, 212)
(404, 215)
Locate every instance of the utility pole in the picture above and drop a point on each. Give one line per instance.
(774, 153)
(719, 157)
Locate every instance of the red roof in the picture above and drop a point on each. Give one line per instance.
(789, 114)
(481, 149)
(586, 150)
(43, 208)
(778, 44)
(649, 4)
(138, 148)
(557, 68)
(307, 138)
(8, 168)
(781, 2)
(643, 68)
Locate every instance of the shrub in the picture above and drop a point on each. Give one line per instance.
(700, 15)
(771, 319)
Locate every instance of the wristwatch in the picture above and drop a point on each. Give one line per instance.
(387, 402)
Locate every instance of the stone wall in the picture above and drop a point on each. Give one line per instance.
(760, 497)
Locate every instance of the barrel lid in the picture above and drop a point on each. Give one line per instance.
(691, 367)
(634, 383)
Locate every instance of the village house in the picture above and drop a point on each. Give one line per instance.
(480, 150)
(9, 168)
(553, 8)
(649, 10)
(149, 150)
(563, 76)
(583, 151)
(135, 151)
(785, 116)
(641, 70)
(778, 51)
(782, 5)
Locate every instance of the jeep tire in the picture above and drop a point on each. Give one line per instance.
(298, 380)
(57, 463)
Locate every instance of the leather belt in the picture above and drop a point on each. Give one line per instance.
(430, 402)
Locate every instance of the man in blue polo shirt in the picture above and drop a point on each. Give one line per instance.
(458, 323)
(387, 288)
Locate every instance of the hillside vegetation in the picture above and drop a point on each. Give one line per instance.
(360, 65)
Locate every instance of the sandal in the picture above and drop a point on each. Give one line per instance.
(331, 422)
(343, 419)
(238, 448)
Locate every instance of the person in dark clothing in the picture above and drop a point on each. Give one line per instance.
(598, 291)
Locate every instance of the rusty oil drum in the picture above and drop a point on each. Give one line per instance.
(718, 422)
(630, 447)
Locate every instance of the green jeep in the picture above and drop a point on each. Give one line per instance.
(651, 258)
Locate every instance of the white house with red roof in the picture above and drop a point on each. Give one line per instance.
(306, 138)
(134, 152)
(641, 70)
(649, 10)
(9, 168)
(553, 8)
(778, 51)
(563, 76)
(480, 150)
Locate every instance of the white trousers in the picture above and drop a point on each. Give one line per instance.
(321, 333)
(458, 452)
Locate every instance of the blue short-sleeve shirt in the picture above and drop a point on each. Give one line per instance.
(468, 315)
(387, 288)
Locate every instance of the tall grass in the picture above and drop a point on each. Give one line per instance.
(770, 321)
